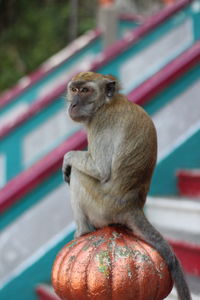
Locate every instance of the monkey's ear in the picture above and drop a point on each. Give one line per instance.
(110, 89)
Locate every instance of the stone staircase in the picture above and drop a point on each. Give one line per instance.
(178, 219)
(189, 182)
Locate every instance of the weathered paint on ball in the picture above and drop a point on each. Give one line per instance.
(110, 264)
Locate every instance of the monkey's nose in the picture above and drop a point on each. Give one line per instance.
(73, 105)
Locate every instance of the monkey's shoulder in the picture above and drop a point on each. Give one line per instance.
(118, 116)
(122, 104)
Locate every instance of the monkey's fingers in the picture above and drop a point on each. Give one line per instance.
(66, 179)
(67, 173)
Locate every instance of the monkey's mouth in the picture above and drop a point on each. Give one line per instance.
(74, 113)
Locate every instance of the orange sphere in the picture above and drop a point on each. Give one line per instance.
(110, 264)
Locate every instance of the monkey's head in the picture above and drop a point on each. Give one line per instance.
(87, 92)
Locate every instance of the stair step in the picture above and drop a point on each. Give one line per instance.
(176, 213)
(181, 236)
(187, 252)
(173, 296)
(174, 128)
(189, 183)
(194, 285)
(179, 222)
(19, 249)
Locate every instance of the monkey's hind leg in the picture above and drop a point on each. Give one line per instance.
(139, 224)
(77, 197)
(83, 225)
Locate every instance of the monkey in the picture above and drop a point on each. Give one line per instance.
(109, 182)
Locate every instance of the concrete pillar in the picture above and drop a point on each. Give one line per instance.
(107, 22)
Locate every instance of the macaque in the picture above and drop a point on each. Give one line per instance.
(109, 182)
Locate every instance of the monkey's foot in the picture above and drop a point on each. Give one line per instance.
(79, 233)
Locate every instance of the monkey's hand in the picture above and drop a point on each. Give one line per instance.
(82, 161)
(66, 167)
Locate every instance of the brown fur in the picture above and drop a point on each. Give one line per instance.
(135, 156)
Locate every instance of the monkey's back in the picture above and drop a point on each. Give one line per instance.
(128, 132)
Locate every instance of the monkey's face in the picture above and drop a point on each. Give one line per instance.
(87, 92)
(83, 99)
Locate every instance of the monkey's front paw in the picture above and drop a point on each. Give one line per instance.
(66, 167)
(67, 173)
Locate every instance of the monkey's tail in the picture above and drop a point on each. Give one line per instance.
(141, 226)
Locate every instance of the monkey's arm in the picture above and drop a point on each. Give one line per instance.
(82, 161)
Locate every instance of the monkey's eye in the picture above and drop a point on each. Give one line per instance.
(85, 90)
(73, 89)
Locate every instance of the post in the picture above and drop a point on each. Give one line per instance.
(107, 21)
(74, 20)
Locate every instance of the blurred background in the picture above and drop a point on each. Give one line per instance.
(28, 35)
(153, 47)
(32, 31)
